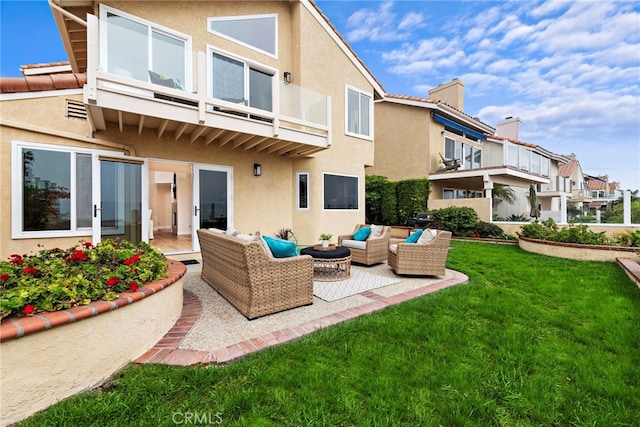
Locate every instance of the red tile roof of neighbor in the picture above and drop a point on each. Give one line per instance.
(567, 169)
(43, 82)
(597, 184)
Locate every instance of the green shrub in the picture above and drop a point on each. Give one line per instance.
(580, 234)
(374, 194)
(459, 220)
(539, 230)
(488, 231)
(389, 204)
(630, 238)
(56, 279)
(412, 196)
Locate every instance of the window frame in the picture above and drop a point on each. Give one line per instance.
(151, 28)
(299, 188)
(240, 42)
(360, 94)
(324, 202)
(464, 152)
(248, 65)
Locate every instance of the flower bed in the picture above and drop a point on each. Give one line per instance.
(51, 356)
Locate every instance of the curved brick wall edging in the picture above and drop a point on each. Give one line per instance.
(18, 327)
(577, 251)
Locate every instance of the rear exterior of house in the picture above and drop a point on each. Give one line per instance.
(248, 115)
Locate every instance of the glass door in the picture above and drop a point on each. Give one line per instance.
(117, 186)
(213, 199)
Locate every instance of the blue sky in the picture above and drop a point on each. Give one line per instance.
(569, 70)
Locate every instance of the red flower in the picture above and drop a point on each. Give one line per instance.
(4, 277)
(78, 255)
(87, 244)
(113, 281)
(132, 260)
(30, 270)
(133, 287)
(16, 259)
(28, 309)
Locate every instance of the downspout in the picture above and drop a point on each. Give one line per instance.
(66, 13)
(37, 129)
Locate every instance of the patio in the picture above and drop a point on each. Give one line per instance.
(211, 331)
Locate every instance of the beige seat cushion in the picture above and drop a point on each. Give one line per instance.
(394, 248)
(354, 244)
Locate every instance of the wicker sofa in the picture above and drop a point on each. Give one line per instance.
(254, 282)
(371, 251)
(420, 259)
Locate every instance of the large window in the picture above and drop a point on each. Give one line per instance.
(137, 48)
(359, 110)
(239, 82)
(303, 191)
(259, 32)
(340, 192)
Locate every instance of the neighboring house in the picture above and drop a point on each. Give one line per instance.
(413, 135)
(176, 116)
(578, 182)
(604, 194)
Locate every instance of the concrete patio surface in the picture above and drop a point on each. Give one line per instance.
(212, 331)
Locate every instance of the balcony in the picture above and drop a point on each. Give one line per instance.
(282, 119)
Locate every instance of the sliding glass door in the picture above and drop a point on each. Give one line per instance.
(213, 199)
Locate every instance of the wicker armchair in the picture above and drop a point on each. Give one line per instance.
(420, 259)
(375, 248)
(252, 281)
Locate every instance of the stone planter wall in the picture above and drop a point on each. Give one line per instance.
(576, 251)
(49, 357)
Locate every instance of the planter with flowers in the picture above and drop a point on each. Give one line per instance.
(73, 317)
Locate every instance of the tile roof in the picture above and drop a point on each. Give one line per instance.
(566, 169)
(45, 82)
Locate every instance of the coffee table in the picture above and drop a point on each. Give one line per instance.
(329, 264)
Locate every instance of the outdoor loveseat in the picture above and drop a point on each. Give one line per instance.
(420, 258)
(253, 281)
(372, 250)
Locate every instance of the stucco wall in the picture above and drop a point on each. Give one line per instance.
(45, 367)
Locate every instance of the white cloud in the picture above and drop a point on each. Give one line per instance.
(382, 24)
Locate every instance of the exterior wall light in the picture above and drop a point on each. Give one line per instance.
(257, 169)
(287, 77)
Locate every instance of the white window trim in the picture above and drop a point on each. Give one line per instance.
(345, 175)
(104, 9)
(247, 17)
(247, 65)
(298, 191)
(346, 112)
(17, 185)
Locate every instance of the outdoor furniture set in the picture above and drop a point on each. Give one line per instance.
(261, 275)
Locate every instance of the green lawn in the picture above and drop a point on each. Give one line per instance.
(529, 341)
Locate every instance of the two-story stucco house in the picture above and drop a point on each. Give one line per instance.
(185, 115)
(420, 137)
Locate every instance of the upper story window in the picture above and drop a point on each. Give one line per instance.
(259, 32)
(240, 82)
(359, 111)
(470, 156)
(527, 160)
(143, 50)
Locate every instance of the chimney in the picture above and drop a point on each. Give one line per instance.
(451, 93)
(509, 128)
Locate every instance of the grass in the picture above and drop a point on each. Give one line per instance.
(529, 341)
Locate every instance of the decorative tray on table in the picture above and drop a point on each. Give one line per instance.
(321, 248)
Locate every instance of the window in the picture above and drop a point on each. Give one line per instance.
(470, 156)
(241, 83)
(450, 193)
(359, 110)
(340, 192)
(259, 32)
(53, 191)
(134, 48)
(303, 191)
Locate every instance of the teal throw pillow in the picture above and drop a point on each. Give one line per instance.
(362, 234)
(413, 237)
(280, 248)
